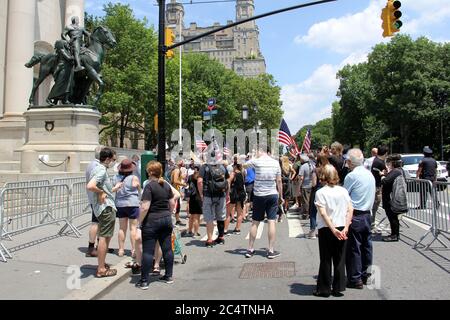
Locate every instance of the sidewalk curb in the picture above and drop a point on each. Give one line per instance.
(96, 286)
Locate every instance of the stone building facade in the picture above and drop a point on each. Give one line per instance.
(237, 48)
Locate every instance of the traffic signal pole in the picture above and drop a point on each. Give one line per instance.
(162, 49)
(162, 85)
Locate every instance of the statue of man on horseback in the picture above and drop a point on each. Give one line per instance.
(76, 33)
(73, 66)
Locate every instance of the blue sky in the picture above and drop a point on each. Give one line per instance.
(305, 48)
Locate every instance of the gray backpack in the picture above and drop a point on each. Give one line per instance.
(399, 200)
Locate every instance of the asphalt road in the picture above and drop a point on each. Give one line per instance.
(223, 272)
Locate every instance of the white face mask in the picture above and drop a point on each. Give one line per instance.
(111, 164)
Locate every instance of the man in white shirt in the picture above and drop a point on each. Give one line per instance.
(368, 162)
(267, 192)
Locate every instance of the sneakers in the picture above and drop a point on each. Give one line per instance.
(209, 244)
(294, 207)
(250, 253)
(179, 223)
(187, 234)
(236, 231)
(390, 238)
(273, 255)
(142, 284)
(226, 234)
(220, 240)
(166, 279)
(312, 234)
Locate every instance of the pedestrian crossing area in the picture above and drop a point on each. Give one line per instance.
(295, 228)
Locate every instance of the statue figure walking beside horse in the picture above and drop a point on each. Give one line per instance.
(73, 66)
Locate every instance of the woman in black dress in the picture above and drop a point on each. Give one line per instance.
(237, 196)
(195, 205)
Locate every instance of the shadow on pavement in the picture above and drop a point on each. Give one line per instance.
(239, 252)
(197, 243)
(32, 243)
(302, 289)
(88, 270)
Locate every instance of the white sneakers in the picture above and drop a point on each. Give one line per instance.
(312, 234)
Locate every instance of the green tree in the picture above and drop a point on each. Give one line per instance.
(130, 91)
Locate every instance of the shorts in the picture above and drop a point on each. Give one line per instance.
(93, 218)
(265, 205)
(127, 212)
(106, 223)
(249, 191)
(214, 209)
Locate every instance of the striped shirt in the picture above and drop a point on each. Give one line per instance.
(267, 170)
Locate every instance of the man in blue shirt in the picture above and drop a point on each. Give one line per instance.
(249, 183)
(360, 184)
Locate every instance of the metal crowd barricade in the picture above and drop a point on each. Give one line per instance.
(26, 208)
(69, 181)
(428, 203)
(442, 210)
(79, 203)
(25, 184)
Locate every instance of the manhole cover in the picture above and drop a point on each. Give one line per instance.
(268, 270)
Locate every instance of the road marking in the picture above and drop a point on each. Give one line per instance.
(215, 234)
(259, 232)
(295, 226)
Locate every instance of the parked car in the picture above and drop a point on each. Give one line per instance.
(446, 165)
(411, 165)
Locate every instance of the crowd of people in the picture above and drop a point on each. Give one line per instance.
(337, 190)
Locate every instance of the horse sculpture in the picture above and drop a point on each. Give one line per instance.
(91, 59)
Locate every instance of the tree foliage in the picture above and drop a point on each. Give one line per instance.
(130, 73)
(397, 97)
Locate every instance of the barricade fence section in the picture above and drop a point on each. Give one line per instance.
(69, 181)
(418, 194)
(442, 203)
(25, 184)
(429, 203)
(79, 202)
(26, 208)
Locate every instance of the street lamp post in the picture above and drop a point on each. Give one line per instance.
(180, 138)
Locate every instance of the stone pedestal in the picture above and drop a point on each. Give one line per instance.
(67, 134)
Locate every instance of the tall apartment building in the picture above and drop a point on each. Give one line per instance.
(237, 48)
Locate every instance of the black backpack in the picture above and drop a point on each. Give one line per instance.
(217, 182)
(192, 190)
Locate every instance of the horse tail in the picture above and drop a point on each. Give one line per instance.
(34, 60)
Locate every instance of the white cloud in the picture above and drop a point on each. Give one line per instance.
(310, 101)
(349, 33)
(362, 30)
(429, 14)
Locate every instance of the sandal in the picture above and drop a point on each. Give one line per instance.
(156, 272)
(121, 253)
(106, 273)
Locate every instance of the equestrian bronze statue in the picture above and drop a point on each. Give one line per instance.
(73, 75)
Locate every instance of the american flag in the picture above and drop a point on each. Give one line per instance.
(226, 151)
(200, 144)
(307, 142)
(285, 138)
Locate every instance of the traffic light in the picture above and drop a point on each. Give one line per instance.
(390, 16)
(170, 39)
